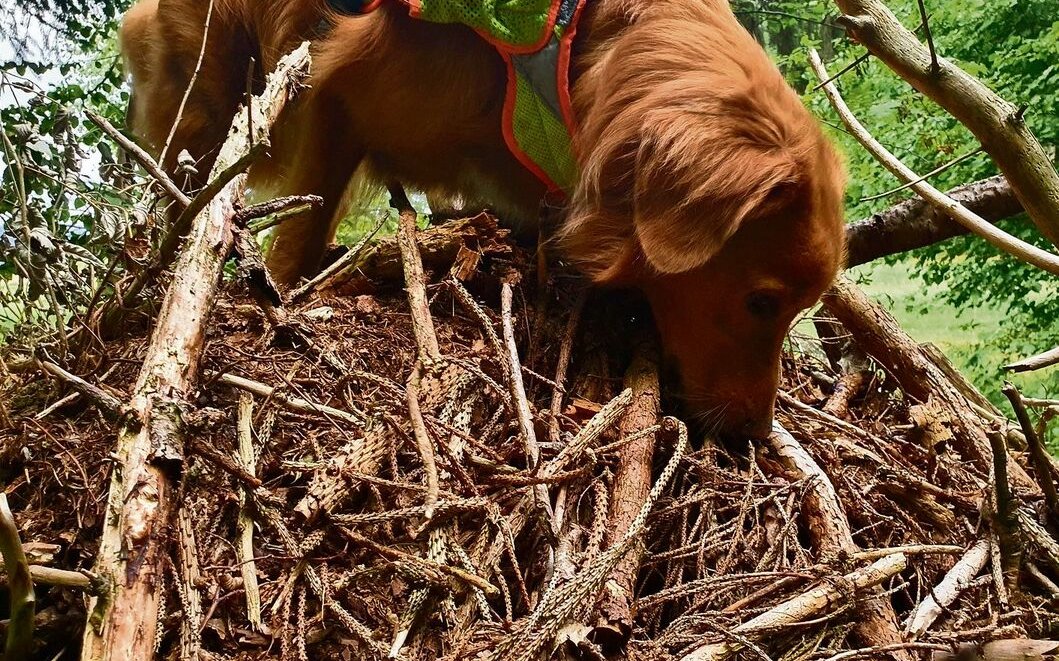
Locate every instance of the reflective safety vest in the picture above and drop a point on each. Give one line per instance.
(535, 39)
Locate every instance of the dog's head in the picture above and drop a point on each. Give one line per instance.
(709, 186)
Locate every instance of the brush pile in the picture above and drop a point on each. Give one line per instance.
(435, 450)
(503, 484)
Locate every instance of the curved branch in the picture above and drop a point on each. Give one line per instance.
(998, 125)
(999, 238)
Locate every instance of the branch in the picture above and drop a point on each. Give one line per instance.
(915, 223)
(998, 125)
(141, 157)
(22, 601)
(804, 607)
(946, 592)
(999, 238)
(140, 508)
(1037, 452)
(1046, 359)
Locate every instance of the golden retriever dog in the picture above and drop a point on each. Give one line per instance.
(703, 182)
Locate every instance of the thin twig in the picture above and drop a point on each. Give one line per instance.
(142, 157)
(936, 171)
(935, 68)
(191, 84)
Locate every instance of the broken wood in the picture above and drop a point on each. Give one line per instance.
(123, 623)
(803, 607)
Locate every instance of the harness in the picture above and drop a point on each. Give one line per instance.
(535, 39)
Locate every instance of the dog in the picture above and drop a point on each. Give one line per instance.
(702, 180)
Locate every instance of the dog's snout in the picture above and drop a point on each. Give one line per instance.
(757, 429)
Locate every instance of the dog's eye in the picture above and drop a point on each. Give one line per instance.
(763, 305)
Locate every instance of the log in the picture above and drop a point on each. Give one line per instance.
(123, 624)
(998, 125)
(916, 224)
(803, 607)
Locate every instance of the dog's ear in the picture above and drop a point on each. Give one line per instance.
(691, 198)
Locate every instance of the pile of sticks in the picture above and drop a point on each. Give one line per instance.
(481, 465)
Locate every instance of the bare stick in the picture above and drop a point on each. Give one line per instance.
(972, 221)
(424, 443)
(244, 548)
(565, 351)
(1037, 452)
(140, 507)
(632, 484)
(831, 534)
(191, 85)
(936, 171)
(293, 403)
(78, 580)
(998, 125)
(141, 157)
(946, 592)
(518, 389)
(339, 265)
(22, 600)
(414, 277)
(108, 403)
(1046, 359)
(805, 606)
(1005, 519)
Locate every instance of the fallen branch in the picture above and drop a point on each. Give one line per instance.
(1016, 247)
(123, 624)
(805, 606)
(998, 125)
(142, 157)
(292, 403)
(1005, 520)
(1046, 359)
(244, 547)
(1041, 465)
(945, 593)
(110, 405)
(21, 599)
(632, 483)
(915, 223)
(341, 264)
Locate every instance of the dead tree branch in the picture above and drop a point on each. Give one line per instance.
(915, 223)
(123, 624)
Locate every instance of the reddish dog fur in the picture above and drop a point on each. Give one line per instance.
(705, 183)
